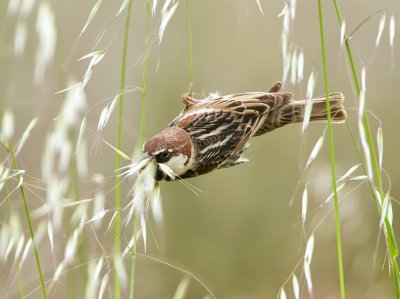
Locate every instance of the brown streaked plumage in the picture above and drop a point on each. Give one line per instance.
(214, 132)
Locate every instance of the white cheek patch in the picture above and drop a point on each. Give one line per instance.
(177, 164)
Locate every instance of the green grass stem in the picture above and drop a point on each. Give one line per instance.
(117, 224)
(190, 46)
(31, 231)
(332, 157)
(144, 75)
(133, 261)
(390, 237)
(141, 134)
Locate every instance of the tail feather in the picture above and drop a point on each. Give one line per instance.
(293, 112)
(319, 109)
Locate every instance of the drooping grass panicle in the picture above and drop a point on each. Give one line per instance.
(376, 184)
(167, 12)
(47, 33)
(91, 16)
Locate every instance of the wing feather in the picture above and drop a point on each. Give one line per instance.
(221, 127)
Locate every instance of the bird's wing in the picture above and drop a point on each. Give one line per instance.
(277, 104)
(221, 127)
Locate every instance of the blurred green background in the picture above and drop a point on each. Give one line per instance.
(240, 237)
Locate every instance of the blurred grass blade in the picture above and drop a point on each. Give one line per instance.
(69, 88)
(51, 235)
(26, 134)
(309, 249)
(286, 66)
(307, 262)
(103, 286)
(307, 274)
(7, 126)
(359, 178)
(296, 287)
(19, 247)
(366, 149)
(47, 33)
(120, 269)
(80, 135)
(181, 290)
(164, 9)
(71, 247)
(338, 189)
(97, 270)
(293, 8)
(392, 30)
(390, 213)
(348, 173)
(294, 64)
(315, 151)
(156, 205)
(364, 78)
(25, 253)
(166, 17)
(309, 104)
(91, 16)
(112, 221)
(382, 23)
(102, 119)
(154, 8)
(119, 152)
(144, 231)
(58, 272)
(106, 113)
(3, 178)
(300, 67)
(283, 11)
(361, 126)
(342, 33)
(385, 206)
(96, 57)
(122, 8)
(98, 216)
(304, 201)
(259, 6)
(111, 107)
(379, 142)
(20, 37)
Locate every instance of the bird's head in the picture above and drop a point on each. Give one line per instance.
(173, 148)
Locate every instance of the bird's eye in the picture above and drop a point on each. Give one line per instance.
(163, 156)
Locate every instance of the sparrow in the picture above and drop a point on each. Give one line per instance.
(214, 132)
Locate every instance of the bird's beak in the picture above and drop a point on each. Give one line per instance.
(137, 167)
(144, 157)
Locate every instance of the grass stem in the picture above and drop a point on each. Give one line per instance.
(332, 157)
(133, 261)
(117, 224)
(31, 231)
(144, 75)
(142, 119)
(190, 46)
(390, 237)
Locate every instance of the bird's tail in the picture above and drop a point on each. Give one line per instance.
(319, 110)
(293, 112)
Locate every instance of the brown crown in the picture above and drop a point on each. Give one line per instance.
(174, 139)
